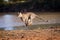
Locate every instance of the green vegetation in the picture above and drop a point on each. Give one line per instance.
(44, 26)
(40, 26)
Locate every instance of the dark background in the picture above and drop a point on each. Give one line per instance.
(30, 5)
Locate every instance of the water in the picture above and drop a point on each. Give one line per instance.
(8, 21)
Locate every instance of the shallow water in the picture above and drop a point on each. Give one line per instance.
(8, 21)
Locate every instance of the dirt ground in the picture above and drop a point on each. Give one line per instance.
(42, 34)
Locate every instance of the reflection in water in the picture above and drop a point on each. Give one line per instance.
(9, 21)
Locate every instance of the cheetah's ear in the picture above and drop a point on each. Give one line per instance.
(20, 14)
